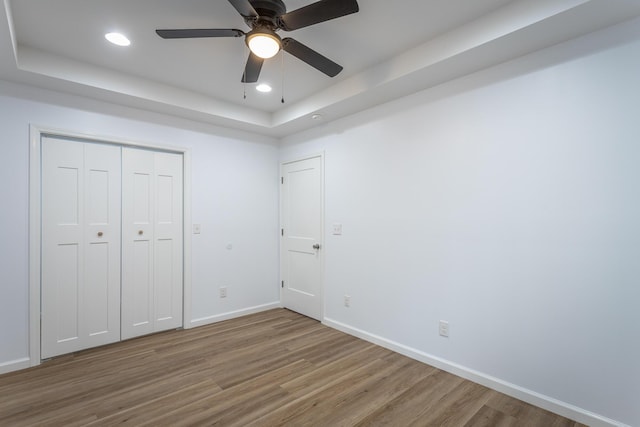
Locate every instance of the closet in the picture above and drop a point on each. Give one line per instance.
(112, 243)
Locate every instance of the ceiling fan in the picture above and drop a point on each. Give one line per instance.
(265, 18)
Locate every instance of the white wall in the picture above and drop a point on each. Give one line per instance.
(234, 176)
(507, 203)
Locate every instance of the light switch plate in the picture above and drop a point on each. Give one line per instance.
(196, 228)
(443, 328)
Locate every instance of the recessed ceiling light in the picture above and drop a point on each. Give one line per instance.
(263, 88)
(117, 39)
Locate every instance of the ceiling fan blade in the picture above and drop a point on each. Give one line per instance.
(243, 7)
(311, 57)
(195, 33)
(321, 11)
(252, 69)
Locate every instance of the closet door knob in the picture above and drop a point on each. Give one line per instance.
(140, 232)
(100, 233)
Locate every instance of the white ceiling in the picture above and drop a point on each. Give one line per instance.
(388, 49)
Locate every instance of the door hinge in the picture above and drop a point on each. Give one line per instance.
(282, 231)
(281, 180)
(282, 285)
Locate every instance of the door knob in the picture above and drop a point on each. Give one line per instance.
(99, 233)
(316, 246)
(140, 232)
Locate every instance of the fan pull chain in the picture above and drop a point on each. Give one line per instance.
(282, 54)
(244, 77)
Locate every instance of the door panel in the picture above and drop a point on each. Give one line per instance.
(300, 264)
(66, 291)
(102, 243)
(98, 197)
(141, 199)
(137, 246)
(152, 250)
(97, 278)
(304, 203)
(168, 243)
(61, 241)
(302, 218)
(65, 186)
(80, 270)
(138, 301)
(165, 197)
(164, 280)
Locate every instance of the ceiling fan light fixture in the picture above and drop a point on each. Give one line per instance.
(264, 43)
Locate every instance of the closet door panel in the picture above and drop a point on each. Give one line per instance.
(62, 177)
(152, 247)
(138, 189)
(168, 244)
(102, 242)
(98, 257)
(80, 275)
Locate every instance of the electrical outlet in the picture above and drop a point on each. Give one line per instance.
(337, 229)
(196, 228)
(347, 301)
(223, 292)
(443, 328)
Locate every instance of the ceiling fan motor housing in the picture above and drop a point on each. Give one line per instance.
(268, 13)
(269, 8)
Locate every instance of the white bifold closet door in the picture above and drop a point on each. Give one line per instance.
(151, 241)
(81, 217)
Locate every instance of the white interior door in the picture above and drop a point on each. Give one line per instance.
(80, 245)
(302, 223)
(152, 242)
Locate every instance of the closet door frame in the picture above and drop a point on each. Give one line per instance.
(36, 133)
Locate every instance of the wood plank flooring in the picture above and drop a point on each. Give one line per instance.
(268, 369)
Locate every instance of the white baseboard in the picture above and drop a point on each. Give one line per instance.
(233, 314)
(545, 402)
(15, 365)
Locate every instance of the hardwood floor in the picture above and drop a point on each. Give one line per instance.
(267, 369)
